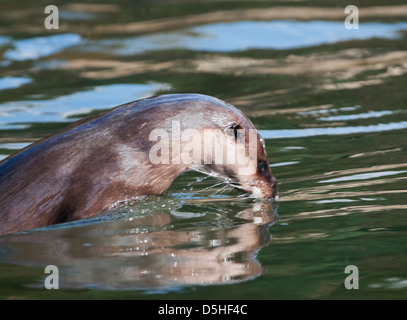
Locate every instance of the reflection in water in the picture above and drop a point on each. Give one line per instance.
(346, 211)
(366, 115)
(314, 193)
(357, 171)
(69, 15)
(251, 14)
(364, 176)
(349, 185)
(13, 82)
(65, 107)
(155, 251)
(310, 132)
(4, 40)
(243, 35)
(374, 153)
(282, 164)
(312, 112)
(14, 145)
(34, 48)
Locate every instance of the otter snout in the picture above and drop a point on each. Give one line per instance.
(271, 189)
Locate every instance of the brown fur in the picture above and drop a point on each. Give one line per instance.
(89, 166)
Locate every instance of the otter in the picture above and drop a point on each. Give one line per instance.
(102, 161)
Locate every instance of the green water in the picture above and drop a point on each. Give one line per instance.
(333, 115)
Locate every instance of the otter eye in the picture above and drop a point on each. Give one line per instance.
(263, 168)
(235, 127)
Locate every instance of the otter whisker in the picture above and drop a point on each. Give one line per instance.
(209, 187)
(220, 190)
(207, 171)
(246, 196)
(197, 181)
(237, 186)
(225, 181)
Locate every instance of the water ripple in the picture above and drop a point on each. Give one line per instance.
(35, 48)
(243, 35)
(309, 132)
(364, 176)
(13, 82)
(366, 115)
(62, 109)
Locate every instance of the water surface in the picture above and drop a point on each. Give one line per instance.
(330, 104)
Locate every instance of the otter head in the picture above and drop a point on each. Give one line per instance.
(202, 133)
(237, 155)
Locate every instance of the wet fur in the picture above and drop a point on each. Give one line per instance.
(89, 166)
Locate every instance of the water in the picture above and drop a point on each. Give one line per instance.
(243, 35)
(329, 102)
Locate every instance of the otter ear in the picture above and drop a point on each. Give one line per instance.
(233, 130)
